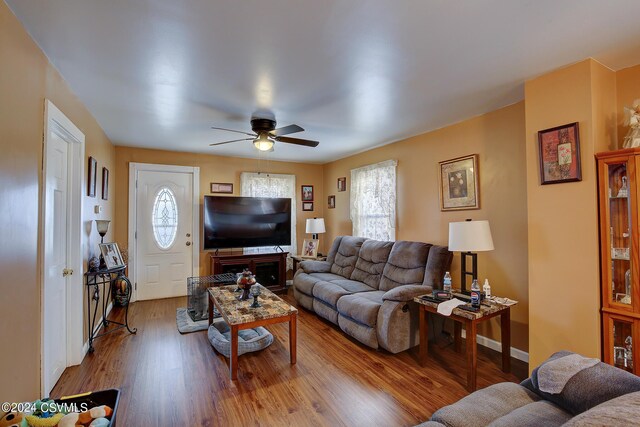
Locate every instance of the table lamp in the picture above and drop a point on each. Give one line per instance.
(103, 226)
(315, 226)
(469, 237)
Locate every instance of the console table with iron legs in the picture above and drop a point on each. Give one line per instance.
(93, 280)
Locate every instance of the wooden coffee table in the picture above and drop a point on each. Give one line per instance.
(470, 321)
(239, 315)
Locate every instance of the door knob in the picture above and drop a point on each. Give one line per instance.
(188, 234)
(67, 272)
(188, 243)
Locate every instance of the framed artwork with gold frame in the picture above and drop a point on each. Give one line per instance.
(459, 187)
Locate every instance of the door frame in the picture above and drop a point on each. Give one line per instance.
(134, 168)
(56, 121)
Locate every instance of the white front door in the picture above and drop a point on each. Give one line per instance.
(164, 230)
(55, 262)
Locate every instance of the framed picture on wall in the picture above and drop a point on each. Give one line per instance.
(342, 184)
(459, 184)
(222, 187)
(307, 193)
(331, 202)
(105, 184)
(92, 177)
(560, 154)
(307, 206)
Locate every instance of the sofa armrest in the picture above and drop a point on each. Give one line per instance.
(406, 293)
(315, 266)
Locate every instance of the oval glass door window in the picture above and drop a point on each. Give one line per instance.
(164, 218)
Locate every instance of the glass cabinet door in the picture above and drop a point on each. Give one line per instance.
(619, 349)
(619, 234)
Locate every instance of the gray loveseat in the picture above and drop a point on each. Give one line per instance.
(600, 395)
(367, 286)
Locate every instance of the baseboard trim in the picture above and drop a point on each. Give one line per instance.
(96, 328)
(497, 346)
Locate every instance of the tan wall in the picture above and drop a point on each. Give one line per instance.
(213, 169)
(498, 138)
(26, 79)
(563, 218)
(627, 90)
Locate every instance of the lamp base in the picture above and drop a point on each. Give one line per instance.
(464, 272)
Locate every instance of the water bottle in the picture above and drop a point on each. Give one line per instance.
(486, 289)
(447, 282)
(475, 294)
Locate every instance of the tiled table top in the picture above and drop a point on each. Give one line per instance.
(493, 307)
(237, 312)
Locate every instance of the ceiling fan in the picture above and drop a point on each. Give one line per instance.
(265, 135)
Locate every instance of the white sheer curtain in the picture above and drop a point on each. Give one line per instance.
(272, 185)
(373, 201)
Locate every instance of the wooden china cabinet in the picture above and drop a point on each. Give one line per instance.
(619, 191)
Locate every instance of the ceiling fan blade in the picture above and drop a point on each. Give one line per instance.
(236, 131)
(286, 130)
(233, 140)
(297, 141)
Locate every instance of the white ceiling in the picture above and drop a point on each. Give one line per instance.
(354, 73)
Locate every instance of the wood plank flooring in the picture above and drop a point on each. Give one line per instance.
(168, 379)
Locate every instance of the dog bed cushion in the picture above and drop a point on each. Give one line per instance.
(248, 339)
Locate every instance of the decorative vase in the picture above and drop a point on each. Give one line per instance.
(245, 282)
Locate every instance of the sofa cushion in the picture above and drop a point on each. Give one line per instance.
(540, 413)
(589, 387)
(327, 277)
(405, 266)
(331, 256)
(346, 256)
(438, 263)
(371, 260)
(485, 406)
(352, 285)
(304, 282)
(329, 293)
(361, 307)
(310, 266)
(621, 411)
(363, 333)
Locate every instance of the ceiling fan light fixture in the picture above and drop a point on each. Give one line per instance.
(263, 143)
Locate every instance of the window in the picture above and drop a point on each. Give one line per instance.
(164, 218)
(272, 185)
(373, 201)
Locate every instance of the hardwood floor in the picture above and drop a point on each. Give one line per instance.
(168, 379)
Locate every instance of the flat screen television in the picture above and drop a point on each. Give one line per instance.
(242, 222)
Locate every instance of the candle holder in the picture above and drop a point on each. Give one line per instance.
(255, 293)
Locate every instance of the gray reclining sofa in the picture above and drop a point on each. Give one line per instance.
(367, 286)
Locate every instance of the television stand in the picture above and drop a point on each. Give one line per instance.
(270, 269)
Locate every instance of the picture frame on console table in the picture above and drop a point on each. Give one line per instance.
(111, 254)
(559, 152)
(459, 188)
(310, 248)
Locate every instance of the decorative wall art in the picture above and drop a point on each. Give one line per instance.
(307, 193)
(332, 202)
(307, 206)
(459, 184)
(222, 187)
(92, 177)
(105, 184)
(560, 154)
(342, 184)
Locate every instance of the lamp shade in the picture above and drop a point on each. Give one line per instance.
(103, 226)
(470, 236)
(315, 226)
